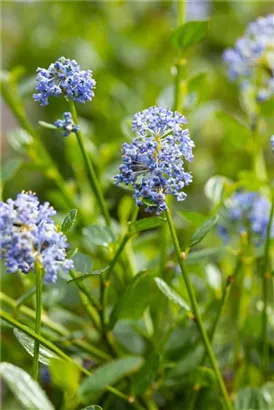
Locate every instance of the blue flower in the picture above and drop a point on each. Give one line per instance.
(247, 212)
(153, 163)
(64, 77)
(252, 59)
(29, 234)
(67, 125)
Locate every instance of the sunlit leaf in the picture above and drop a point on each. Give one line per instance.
(108, 374)
(25, 389)
(65, 375)
(69, 221)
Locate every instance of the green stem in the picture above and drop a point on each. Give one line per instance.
(181, 15)
(181, 12)
(4, 315)
(196, 312)
(265, 281)
(95, 185)
(55, 327)
(38, 309)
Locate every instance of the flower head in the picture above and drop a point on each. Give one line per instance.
(29, 235)
(67, 125)
(252, 59)
(64, 77)
(247, 212)
(153, 163)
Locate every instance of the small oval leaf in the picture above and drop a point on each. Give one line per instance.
(189, 34)
(171, 294)
(144, 224)
(69, 221)
(25, 389)
(201, 232)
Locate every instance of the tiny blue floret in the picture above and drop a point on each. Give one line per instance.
(29, 235)
(153, 162)
(67, 125)
(64, 77)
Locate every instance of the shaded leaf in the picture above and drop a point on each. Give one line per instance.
(98, 235)
(69, 221)
(171, 294)
(145, 377)
(25, 389)
(201, 232)
(204, 254)
(45, 355)
(134, 301)
(234, 130)
(108, 374)
(189, 34)
(202, 376)
(82, 263)
(144, 224)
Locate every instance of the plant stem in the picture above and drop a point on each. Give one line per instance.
(4, 315)
(196, 312)
(38, 310)
(265, 280)
(181, 15)
(95, 185)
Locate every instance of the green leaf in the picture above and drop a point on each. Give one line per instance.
(10, 169)
(98, 235)
(19, 139)
(134, 301)
(215, 188)
(193, 217)
(69, 221)
(189, 34)
(201, 232)
(108, 374)
(20, 301)
(45, 355)
(25, 389)
(250, 398)
(47, 125)
(92, 407)
(144, 224)
(145, 377)
(171, 294)
(88, 275)
(82, 263)
(234, 130)
(204, 254)
(65, 375)
(202, 376)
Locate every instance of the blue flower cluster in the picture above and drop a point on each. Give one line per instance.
(64, 77)
(252, 60)
(28, 234)
(153, 162)
(248, 212)
(67, 125)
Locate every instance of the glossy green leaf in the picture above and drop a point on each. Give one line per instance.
(45, 355)
(108, 374)
(65, 375)
(25, 389)
(69, 221)
(135, 299)
(98, 235)
(145, 377)
(189, 34)
(144, 224)
(88, 275)
(82, 263)
(201, 232)
(10, 169)
(47, 125)
(171, 294)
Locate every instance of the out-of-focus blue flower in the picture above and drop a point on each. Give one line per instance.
(29, 234)
(252, 59)
(247, 212)
(67, 125)
(198, 9)
(64, 77)
(153, 163)
(272, 143)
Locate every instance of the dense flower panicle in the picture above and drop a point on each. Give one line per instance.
(67, 125)
(252, 59)
(248, 212)
(153, 163)
(64, 77)
(29, 234)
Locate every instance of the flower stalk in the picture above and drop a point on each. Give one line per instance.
(38, 313)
